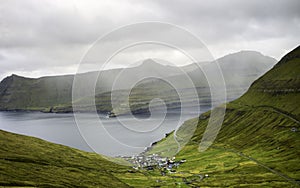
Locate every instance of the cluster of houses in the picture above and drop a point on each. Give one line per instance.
(164, 164)
(294, 129)
(149, 162)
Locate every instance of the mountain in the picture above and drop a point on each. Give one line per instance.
(48, 93)
(245, 60)
(258, 146)
(239, 69)
(259, 142)
(21, 93)
(149, 67)
(31, 162)
(282, 83)
(242, 68)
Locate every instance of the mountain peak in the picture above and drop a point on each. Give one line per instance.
(15, 75)
(149, 63)
(249, 53)
(294, 54)
(247, 57)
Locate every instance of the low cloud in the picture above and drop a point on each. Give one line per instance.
(50, 37)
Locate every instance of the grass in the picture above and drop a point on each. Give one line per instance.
(256, 145)
(39, 163)
(261, 134)
(28, 161)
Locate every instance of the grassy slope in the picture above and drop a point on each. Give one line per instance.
(41, 94)
(34, 94)
(256, 145)
(28, 161)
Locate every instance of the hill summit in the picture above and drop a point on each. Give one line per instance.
(259, 142)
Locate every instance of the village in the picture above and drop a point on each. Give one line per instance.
(149, 162)
(164, 164)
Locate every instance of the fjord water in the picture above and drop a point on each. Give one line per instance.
(62, 129)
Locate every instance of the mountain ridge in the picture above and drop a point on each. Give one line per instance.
(44, 93)
(258, 144)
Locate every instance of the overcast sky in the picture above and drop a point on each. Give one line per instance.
(40, 38)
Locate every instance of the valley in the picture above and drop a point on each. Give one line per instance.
(258, 145)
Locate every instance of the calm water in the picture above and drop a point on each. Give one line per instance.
(108, 136)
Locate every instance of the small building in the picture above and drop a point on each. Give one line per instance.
(294, 129)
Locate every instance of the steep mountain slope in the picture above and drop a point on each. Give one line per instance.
(245, 61)
(259, 142)
(31, 162)
(55, 93)
(258, 146)
(27, 161)
(239, 70)
(282, 84)
(22, 93)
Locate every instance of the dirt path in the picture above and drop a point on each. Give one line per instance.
(277, 110)
(284, 176)
(270, 169)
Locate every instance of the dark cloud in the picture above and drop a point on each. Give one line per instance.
(50, 37)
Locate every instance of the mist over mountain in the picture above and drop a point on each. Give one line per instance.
(239, 70)
(258, 143)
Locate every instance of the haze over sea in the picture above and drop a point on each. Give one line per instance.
(62, 129)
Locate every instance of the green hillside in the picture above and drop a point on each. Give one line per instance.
(258, 146)
(27, 161)
(30, 162)
(279, 88)
(18, 92)
(259, 143)
(54, 93)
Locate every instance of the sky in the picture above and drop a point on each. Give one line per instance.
(50, 37)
